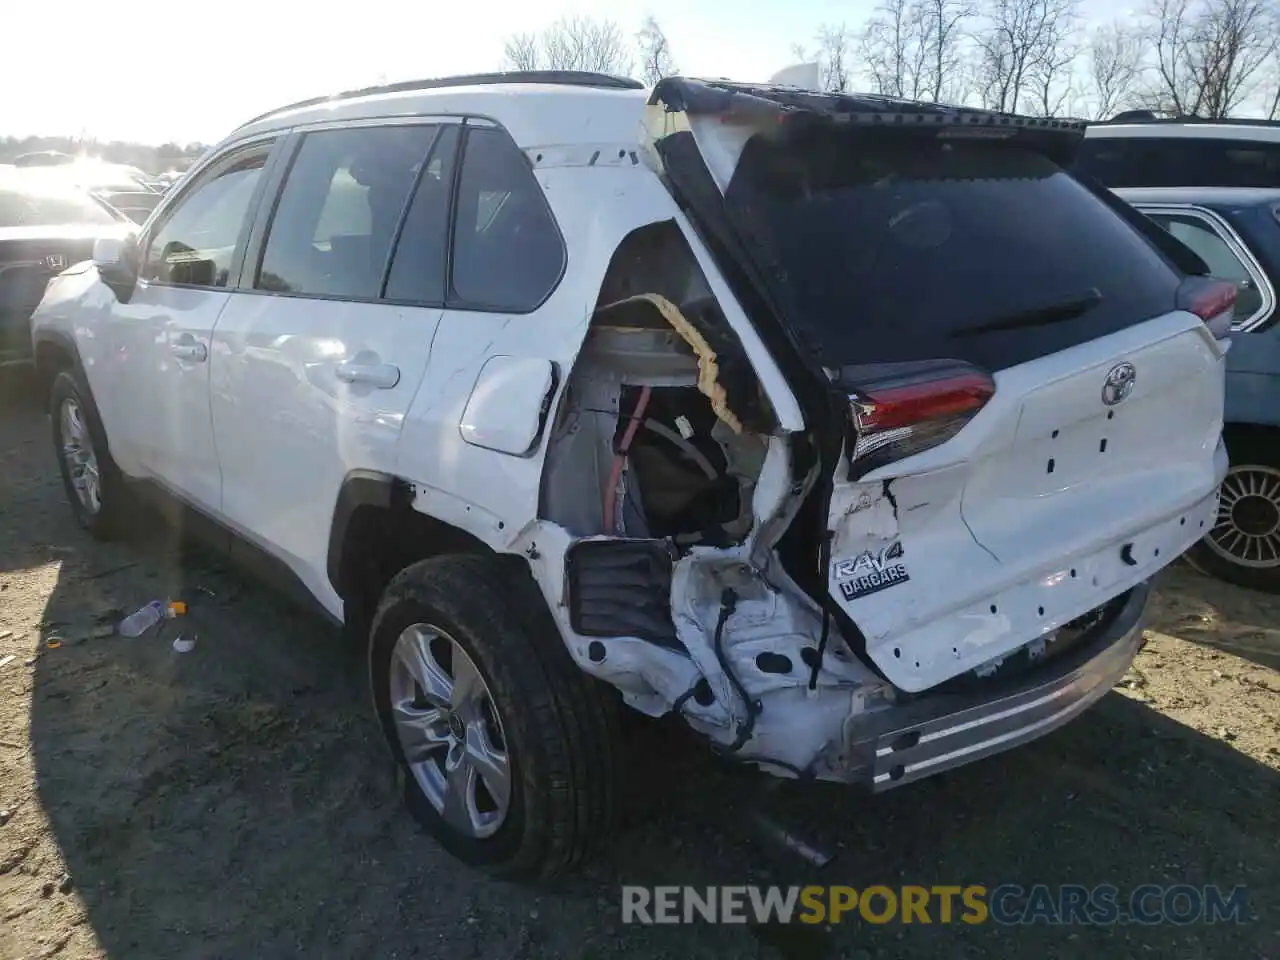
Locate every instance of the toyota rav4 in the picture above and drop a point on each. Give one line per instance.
(850, 430)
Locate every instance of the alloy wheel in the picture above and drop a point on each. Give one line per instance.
(79, 457)
(449, 731)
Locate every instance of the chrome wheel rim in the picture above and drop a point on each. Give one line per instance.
(77, 453)
(449, 731)
(1247, 529)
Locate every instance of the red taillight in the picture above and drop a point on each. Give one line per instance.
(1213, 301)
(897, 410)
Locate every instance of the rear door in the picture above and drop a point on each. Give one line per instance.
(321, 349)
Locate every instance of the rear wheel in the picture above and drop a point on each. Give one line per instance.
(1243, 547)
(506, 749)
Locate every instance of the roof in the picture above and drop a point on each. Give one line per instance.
(537, 108)
(1211, 196)
(703, 96)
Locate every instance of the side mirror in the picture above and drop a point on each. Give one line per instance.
(117, 261)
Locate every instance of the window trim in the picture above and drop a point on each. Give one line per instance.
(256, 249)
(198, 178)
(452, 301)
(1228, 235)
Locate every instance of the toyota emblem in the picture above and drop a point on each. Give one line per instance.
(1119, 383)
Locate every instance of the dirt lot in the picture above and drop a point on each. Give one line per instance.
(235, 801)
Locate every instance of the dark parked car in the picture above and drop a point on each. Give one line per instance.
(1236, 232)
(1131, 151)
(45, 226)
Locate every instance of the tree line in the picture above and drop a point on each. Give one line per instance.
(1202, 58)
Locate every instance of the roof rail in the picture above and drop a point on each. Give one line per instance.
(1129, 117)
(570, 78)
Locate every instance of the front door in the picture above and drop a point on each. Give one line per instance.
(188, 258)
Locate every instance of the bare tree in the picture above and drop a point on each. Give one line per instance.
(942, 23)
(1021, 38)
(1050, 72)
(1115, 58)
(894, 47)
(656, 61)
(571, 43)
(830, 51)
(1209, 54)
(522, 51)
(1273, 111)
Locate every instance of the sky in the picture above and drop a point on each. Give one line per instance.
(189, 70)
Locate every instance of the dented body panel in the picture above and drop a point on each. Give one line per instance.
(1033, 502)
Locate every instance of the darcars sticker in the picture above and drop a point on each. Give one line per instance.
(871, 571)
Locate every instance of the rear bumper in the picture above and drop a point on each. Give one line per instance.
(932, 734)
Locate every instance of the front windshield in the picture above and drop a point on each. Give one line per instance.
(28, 208)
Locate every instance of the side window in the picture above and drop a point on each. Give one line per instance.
(1201, 236)
(418, 264)
(195, 244)
(507, 251)
(1180, 162)
(333, 226)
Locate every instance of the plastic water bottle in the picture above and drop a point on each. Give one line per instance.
(140, 621)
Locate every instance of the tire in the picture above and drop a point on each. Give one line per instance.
(556, 726)
(1250, 504)
(105, 513)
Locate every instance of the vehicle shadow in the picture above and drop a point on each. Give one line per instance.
(236, 801)
(1244, 623)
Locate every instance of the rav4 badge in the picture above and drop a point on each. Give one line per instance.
(870, 571)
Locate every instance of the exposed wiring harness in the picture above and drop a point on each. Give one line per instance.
(609, 506)
(729, 603)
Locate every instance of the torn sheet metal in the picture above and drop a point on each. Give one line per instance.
(708, 368)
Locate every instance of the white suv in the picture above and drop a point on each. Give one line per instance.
(851, 430)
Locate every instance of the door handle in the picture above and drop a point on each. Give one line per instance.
(384, 376)
(191, 350)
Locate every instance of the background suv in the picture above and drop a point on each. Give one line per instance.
(1215, 186)
(717, 400)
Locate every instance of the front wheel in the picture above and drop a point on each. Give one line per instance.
(1243, 547)
(93, 483)
(506, 749)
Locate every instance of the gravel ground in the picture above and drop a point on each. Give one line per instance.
(235, 801)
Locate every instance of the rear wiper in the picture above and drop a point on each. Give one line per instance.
(1037, 316)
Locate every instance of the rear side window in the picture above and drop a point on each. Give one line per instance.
(1202, 237)
(507, 250)
(342, 201)
(418, 264)
(896, 249)
(1180, 162)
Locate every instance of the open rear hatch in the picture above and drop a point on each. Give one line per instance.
(1027, 389)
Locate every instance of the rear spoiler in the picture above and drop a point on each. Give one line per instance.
(793, 107)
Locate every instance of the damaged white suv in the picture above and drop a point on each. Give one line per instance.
(850, 429)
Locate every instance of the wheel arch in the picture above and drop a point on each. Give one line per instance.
(377, 531)
(1241, 435)
(55, 351)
